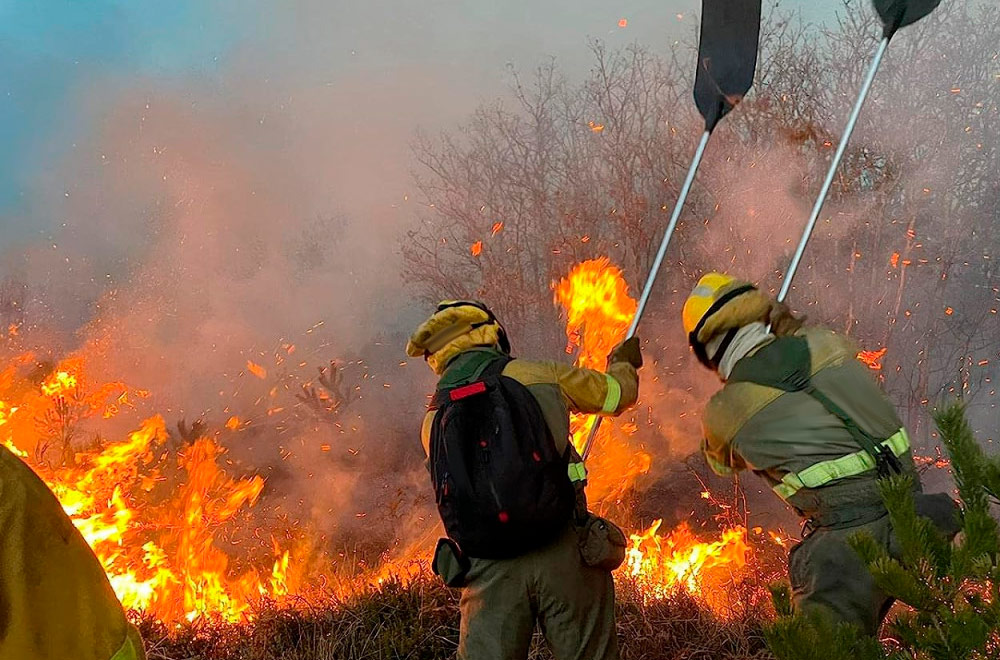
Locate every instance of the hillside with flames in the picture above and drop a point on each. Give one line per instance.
(173, 526)
(212, 253)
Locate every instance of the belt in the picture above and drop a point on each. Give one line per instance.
(824, 472)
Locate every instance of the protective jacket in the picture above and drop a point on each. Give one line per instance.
(806, 453)
(805, 443)
(55, 600)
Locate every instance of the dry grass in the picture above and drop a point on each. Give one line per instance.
(419, 621)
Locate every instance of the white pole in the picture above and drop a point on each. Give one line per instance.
(654, 271)
(792, 267)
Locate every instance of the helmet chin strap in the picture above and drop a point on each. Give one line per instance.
(699, 348)
(720, 352)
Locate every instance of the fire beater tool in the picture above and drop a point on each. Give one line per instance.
(894, 14)
(727, 59)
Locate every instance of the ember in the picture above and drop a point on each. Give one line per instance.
(873, 358)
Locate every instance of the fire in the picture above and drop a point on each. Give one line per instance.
(155, 518)
(662, 564)
(171, 526)
(598, 311)
(60, 382)
(873, 358)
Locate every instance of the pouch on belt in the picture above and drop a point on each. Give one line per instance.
(450, 563)
(602, 543)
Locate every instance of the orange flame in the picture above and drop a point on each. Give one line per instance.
(598, 311)
(60, 382)
(152, 521)
(873, 358)
(661, 564)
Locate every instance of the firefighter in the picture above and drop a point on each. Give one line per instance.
(55, 599)
(799, 410)
(521, 544)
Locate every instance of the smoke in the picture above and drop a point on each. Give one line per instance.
(193, 219)
(211, 218)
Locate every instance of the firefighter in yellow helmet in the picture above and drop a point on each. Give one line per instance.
(55, 600)
(509, 488)
(799, 410)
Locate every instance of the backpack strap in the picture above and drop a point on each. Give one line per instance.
(786, 364)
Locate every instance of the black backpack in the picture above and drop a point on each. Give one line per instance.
(502, 489)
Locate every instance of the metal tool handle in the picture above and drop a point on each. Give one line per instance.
(654, 271)
(841, 148)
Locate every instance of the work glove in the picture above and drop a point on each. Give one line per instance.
(627, 351)
(783, 323)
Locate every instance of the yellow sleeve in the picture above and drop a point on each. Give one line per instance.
(56, 599)
(716, 443)
(425, 431)
(718, 449)
(592, 392)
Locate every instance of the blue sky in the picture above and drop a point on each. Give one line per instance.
(50, 50)
(54, 52)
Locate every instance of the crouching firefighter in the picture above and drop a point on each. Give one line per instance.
(509, 489)
(55, 599)
(800, 410)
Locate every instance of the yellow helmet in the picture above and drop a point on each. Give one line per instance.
(455, 326)
(720, 303)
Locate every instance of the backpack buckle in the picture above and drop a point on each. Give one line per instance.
(887, 463)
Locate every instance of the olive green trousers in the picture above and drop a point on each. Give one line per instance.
(573, 604)
(828, 576)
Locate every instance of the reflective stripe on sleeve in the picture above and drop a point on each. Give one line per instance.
(577, 472)
(824, 472)
(613, 397)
